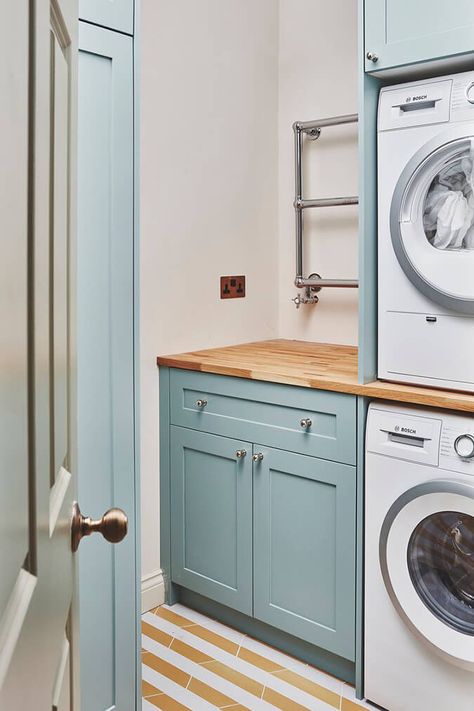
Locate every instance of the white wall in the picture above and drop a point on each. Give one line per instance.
(209, 195)
(222, 82)
(318, 78)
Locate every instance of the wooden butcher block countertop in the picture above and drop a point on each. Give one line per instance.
(322, 366)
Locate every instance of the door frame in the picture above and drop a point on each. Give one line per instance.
(107, 358)
(136, 70)
(136, 331)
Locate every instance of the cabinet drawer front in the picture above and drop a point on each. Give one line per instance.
(304, 548)
(211, 517)
(267, 413)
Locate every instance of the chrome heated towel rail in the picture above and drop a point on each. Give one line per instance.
(314, 283)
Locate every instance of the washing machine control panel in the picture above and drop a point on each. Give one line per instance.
(457, 444)
(462, 97)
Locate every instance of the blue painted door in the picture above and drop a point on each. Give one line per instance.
(304, 548)
(211, 516)
(105, 361)
(112, 14)
(403, 32)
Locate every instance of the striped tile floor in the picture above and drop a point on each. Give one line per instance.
(193, 662)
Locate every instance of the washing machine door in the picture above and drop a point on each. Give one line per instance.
(432, 219)
(427, 563)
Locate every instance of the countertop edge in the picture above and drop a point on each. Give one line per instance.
(380, 390)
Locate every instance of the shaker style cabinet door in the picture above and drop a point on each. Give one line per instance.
(400, 32)
(113, 14)
(105, 363)
(211, 516)
(304, 548)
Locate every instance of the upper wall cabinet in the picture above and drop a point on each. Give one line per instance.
(113, 14)
(404, 32)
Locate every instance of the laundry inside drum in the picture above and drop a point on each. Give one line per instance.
(440, 560)
(448, 211)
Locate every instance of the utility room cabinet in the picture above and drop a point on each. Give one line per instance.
(211, 516)
(304, 523)
(258, 502)
(403, 32)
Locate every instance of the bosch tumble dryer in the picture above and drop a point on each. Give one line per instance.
(426, 232)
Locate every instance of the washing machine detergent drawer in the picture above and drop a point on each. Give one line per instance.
(433, 350)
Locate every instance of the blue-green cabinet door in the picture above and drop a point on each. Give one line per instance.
(304, 548)
(105, 362)
(112, 14)
(404, 32)
(211, 516)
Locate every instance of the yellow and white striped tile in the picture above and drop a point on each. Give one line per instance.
(200, 663)
(237, 688)
(200, 619)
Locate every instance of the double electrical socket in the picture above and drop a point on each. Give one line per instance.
(232, 287)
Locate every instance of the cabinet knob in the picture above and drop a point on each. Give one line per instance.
(372, 57)
(257, 457)
(201, 403)
(241, 453)
(306, 423)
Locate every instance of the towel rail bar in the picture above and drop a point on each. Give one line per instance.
(326, 202)
(313, 284)
(306, 126)
(320, 282)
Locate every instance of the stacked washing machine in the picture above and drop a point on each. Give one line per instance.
(419, 559)
(419, 508)
(426, 232)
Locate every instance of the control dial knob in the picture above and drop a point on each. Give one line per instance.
(470, 92)
(464, 446)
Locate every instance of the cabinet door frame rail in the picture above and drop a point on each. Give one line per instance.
(312, 129)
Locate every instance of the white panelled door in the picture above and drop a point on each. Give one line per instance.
(37, 353)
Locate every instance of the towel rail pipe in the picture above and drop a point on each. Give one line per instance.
(326, 202)
(306, 126)
(300, 127)
(298, 196)
(301, 282)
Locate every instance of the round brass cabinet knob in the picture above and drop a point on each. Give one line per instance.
(113, 526)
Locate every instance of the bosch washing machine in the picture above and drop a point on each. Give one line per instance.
(426, 232)
(419, 559)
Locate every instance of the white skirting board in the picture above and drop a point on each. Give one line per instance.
(153, 590)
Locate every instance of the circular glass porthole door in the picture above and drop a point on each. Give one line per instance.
(432, 221)
(440, 560)
(427, 562)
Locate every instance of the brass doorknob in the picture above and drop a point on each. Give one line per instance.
(113, 526)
